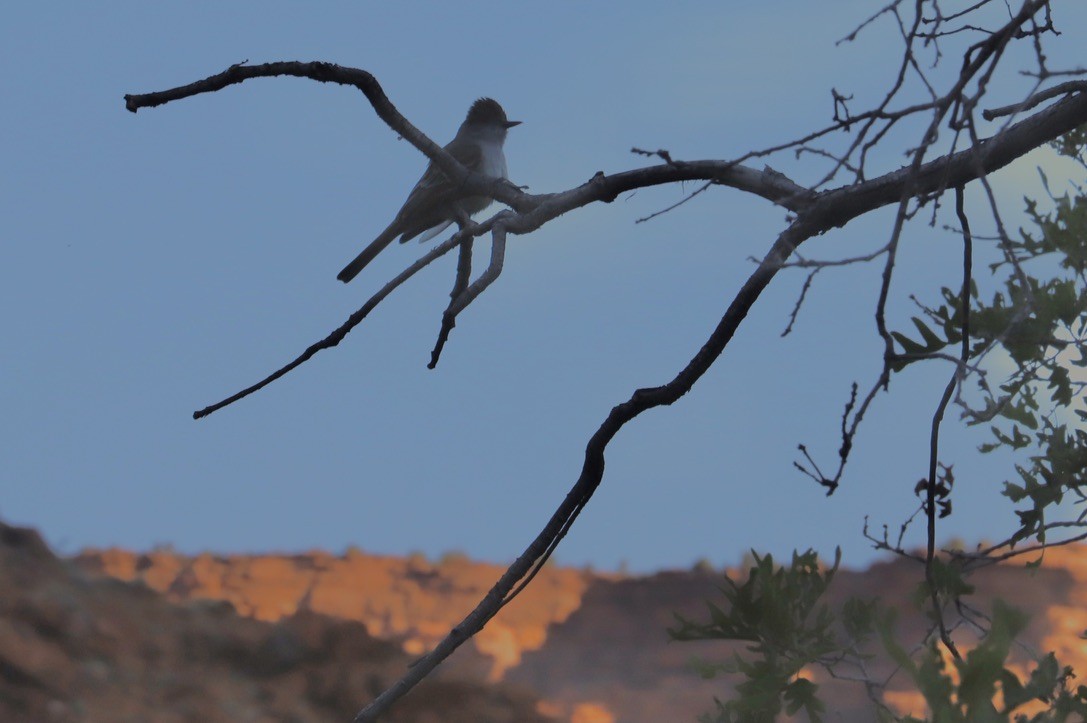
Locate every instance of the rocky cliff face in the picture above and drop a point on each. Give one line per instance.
(409, 600)
(80, 647)
(594, 647)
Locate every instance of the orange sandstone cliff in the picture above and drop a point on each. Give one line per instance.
(593, 647)
(79, 647)
(114, 635)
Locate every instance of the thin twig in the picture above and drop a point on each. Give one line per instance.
(1071, 86)
(342, 331)
(466, 296)
(675, 205)
(937, 419)
(593, 468)
(800, 301)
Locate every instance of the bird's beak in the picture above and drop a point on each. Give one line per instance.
(511, 124)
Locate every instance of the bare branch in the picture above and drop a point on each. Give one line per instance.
(800, 301)
(1071, 86)
(986, 557)
(817, 264)
(365, 82)
(814, 211)
(820, 211)
(932, 485)
(460, 300)
(342, 331)
(464, 273)
(592, 471)
(675, 205)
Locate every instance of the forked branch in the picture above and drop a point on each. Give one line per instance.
(819, 217)
(824, 210)
(814, 213)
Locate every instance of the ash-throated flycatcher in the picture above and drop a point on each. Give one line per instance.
(435, 203)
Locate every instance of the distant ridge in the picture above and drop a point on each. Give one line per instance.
(592, 645)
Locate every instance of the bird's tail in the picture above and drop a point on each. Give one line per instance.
(376, 246)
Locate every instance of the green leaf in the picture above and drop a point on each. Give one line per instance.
(801, 695)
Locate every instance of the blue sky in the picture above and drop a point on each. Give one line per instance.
(154, 263)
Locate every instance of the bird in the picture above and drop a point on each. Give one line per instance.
(435, 203)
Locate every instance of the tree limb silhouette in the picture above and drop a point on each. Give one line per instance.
(813, 212)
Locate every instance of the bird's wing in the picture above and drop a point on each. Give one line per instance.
(435, 183)
(434, 200)
(426, 211)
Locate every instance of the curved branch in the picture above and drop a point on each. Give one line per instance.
(769, 184)
(844, 204)
(352, 321)
(1071, 86)
(822, 211)
(836, 206)
(464, 294)
(841, 205)
(592, 471)
(815, 214)
(332, 73)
